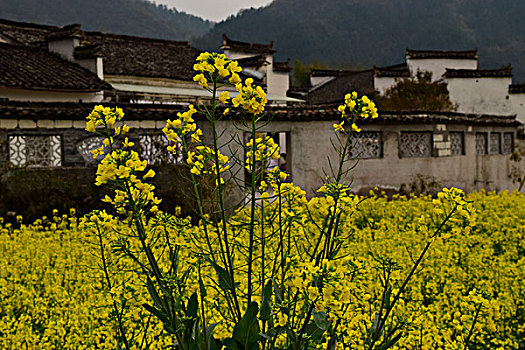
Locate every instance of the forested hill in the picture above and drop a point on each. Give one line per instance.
(353, 33)
(133, 17)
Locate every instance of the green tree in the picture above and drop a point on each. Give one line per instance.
(417, 93)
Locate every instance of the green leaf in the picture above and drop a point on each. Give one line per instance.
(246, 331)
(314, 332)
(225, 281)
(202, 288)
(387, 297)
(321, 321)
(389, 343)
(153, 293)
(160, 315)
(193, 306)
(266, 303)
(277, 292)
(230, 344)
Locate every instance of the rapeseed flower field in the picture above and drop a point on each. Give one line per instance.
(52, 296)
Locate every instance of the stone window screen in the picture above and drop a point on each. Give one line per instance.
(85, 147)
(152, 147)
(35, 150)
(367, 145)
(415, 144)
(508, 143)
(456, 143)
(495, 143)
(481, 143)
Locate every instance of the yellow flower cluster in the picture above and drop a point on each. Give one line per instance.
(265, 149)
(182, 126)
(252, 99)
(102, 120)
(103, 116)
(213, 65)
(354, 108)
(121, 167)
(202, 162)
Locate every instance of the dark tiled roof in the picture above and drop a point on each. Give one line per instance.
(298, 92)
(479, 73)
(123, 54)
(252, 61)
(246, 47)
(334, 90)
(129, 55)
(25, 33)
(69, 31)
(331, 72)
(395, 71)
(282, 66)
(422, 54)
(76, 111)
(88, 51)
(35, 68)
(517, 88)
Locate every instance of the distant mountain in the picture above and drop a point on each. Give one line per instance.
(133, 17)
(362, 33)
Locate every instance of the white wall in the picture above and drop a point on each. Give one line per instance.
(94, 64)
(481, 95)
(49, 96)
(438, 66)
(310, 147)
(517, 102)
(381, 84)
(64, 47)
(277, 82)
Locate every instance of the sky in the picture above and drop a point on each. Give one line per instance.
(215, 10)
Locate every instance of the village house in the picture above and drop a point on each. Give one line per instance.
(42, 124)
(472, 90)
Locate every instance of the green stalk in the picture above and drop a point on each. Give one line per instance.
(252, 214)
(221, 199)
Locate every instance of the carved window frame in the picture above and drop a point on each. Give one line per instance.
(35, 151)
(481, 143)
(415, 144)
(507, 146)
(367, 145)
(88, 144)
(495, 143)
(457, 143)
(153, 149)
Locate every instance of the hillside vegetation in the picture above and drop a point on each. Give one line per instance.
(133, 17)
(346, 33)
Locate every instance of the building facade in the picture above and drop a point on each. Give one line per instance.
(61, 73)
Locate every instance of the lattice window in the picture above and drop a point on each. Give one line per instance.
(415, 144)
(35, 150)
(495, 143)
(153, 149)
(508, 143)
(456, 143)
(86, 145)
(368, 144)
(481, 143)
